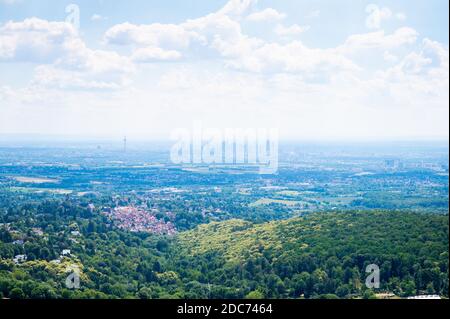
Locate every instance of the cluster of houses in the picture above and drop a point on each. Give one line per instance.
(64, 253)
(36, 231)
(137, 219)
(19, 259)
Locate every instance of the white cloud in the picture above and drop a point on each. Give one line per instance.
(292, 30)
(379, 39)
(98, 17)
(291, 58)
(268, 14)
(63, 79)
(36, 40)
(155, 35)
(220, 36)
(377, 15)
(216, 32)
(420, 79)
(237, 7)
(86, 69)
(146, 55)
(431, 61)
(69, 62)
(214, 26)
(388, 57)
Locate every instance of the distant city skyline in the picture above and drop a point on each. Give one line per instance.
(316, 70)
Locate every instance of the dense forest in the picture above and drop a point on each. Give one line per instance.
(321, 255)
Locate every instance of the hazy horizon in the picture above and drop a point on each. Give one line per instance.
(36, 138)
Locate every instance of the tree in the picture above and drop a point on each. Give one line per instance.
(162, 245)
(430, 288)
(16, 293)
(342, 291)
(369, 294)
(44, 253)
(408, 287)
(145, 293)
(255, 294)
(5, 236)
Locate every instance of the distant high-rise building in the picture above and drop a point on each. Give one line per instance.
(393, 164)
(125, 144)
(389, 163)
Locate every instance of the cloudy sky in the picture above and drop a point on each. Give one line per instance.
(315, 69)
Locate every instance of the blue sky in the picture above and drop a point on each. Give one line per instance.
(337, 20)
(315, 69)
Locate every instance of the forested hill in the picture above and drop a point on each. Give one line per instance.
(320, 255)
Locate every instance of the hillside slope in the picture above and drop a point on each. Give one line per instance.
(321, 254)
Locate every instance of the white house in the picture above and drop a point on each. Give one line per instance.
(65, 252)
(425, 297)
(20, 259)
